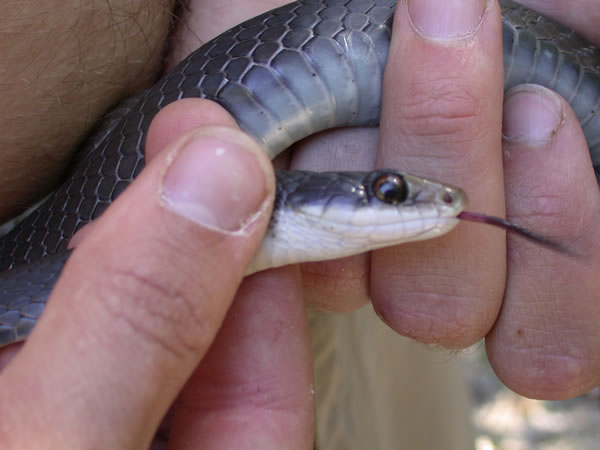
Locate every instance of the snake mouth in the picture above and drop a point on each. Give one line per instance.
(369, 229)
(411, 231)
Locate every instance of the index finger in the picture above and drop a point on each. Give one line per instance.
(441, 118)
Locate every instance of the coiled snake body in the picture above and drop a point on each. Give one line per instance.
(296, 70)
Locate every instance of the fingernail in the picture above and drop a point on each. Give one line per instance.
(446, 20)
(216, 180)
(532, 114)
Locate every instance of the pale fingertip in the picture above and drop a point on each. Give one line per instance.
(533, 115)
(216, 181)
(448, 20)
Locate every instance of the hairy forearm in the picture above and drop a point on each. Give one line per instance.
(63, 63)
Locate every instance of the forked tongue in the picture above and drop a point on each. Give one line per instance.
(514, 228)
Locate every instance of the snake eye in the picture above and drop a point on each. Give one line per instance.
(390, 188)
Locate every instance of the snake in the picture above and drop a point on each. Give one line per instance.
(305, 67)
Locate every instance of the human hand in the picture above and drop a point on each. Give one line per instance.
(442, 118)
(144, 305)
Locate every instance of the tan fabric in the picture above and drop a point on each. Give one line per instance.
(378, 391)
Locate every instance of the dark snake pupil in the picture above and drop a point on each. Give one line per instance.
(390, 189)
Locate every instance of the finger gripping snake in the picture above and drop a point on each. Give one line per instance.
(305, 67)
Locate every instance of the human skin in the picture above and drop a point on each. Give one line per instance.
(541, 307)
(63, 65)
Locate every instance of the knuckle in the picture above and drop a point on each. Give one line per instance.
(152, 308)
(545, 209)
(444, 109)
(338, 285)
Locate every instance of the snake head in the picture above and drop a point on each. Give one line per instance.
(327, 215)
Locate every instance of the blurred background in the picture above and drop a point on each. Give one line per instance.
(505, 420)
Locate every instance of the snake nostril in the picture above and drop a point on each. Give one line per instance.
(448, 198)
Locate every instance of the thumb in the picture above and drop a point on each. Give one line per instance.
(141, 298)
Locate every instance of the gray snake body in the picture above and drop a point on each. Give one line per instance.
(296, 70)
